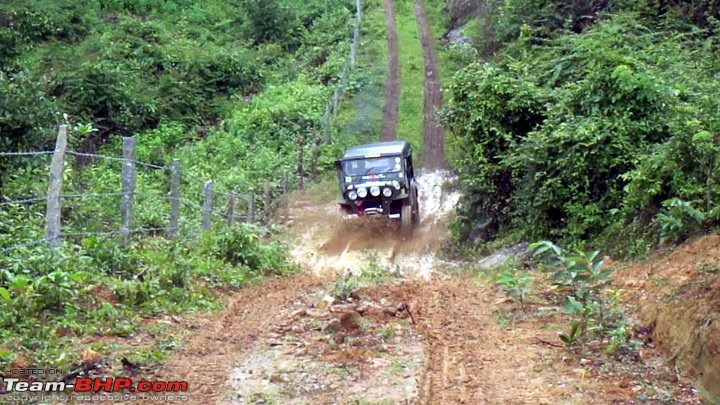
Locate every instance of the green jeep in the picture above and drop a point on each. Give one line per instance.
(378, 179)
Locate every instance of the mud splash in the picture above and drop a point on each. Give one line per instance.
(334, 245)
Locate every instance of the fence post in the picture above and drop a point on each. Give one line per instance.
(232, 201)
(343, 82)
(326, 124)
(335, 104)
(128, 187)
(174, 199)
(301, 157)
(251, 208)
(52, 213)
(314, 156)
(285, 182)
(285, 200)
(266, 202)
(207, 206)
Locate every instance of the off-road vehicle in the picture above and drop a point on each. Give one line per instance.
(379, 179)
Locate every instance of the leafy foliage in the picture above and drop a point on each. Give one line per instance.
(229, 92)
(515, 284)
(575, 134)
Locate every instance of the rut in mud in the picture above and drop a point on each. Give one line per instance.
(392, 89)
(433, 133)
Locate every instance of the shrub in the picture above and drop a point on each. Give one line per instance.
(571, 135)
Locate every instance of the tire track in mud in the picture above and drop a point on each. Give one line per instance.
(392, 89)
(433, 133)
(222, 340)
(471, 360)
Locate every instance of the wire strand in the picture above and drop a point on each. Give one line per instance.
(28, 153)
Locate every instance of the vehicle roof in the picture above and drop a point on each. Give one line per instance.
(379, 148)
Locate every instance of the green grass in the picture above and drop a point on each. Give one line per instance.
(412, 77)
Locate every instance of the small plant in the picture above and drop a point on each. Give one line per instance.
(572, 338)
(387, 332)
(704, 266)
(515, 284)
(398, 366)
(374, 272)
(618, 338)
(344, 288)
(504, 320)
(677, 219)
(587, 302)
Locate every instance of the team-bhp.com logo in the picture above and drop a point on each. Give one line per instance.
(90, 389)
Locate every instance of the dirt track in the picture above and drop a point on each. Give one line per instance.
(433, 133)
(223, 339)
(392, 89)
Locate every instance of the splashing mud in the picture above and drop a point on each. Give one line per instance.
(333, 244)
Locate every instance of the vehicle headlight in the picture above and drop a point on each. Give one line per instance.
(352, 195)
(375, 191)
(396, 184)
(387, 192)
(362, 192)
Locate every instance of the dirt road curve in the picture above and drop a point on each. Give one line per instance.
(392, 89)
(433, 134)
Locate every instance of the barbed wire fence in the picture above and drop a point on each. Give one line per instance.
(189, 206)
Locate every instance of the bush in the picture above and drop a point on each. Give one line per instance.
(569, 136)
(243, 246)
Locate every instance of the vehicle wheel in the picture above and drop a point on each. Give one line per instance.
(406, 219)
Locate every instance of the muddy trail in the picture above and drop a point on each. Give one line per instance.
(433, 133)
(222, 340)
(392, 88)
(375, 318)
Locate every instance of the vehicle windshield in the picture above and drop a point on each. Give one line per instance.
(364, 167)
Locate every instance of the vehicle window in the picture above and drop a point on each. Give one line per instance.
(364, 167)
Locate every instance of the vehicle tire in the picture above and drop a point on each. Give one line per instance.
(406, 219)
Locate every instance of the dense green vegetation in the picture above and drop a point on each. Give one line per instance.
(235, 90)
(589, 124)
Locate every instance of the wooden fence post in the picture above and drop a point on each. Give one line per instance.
(285, 199)
(52, 213)
(174, 199)
(301, 157)
(326, 124)
(335, 100)
(266, 202)
(128, 187)
(285, 182)
(232, 201)
(343, 83)
(314, 157)
(251, 208)
(207, 206)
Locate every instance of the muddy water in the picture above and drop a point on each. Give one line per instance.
(335, 245)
